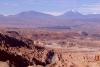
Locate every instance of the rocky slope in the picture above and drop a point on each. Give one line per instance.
(19, 51)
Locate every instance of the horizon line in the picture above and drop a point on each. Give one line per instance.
(51, 13)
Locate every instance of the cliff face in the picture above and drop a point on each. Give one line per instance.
(21, 54)
(25, 52)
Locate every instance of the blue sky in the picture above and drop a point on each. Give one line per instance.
(54, 7)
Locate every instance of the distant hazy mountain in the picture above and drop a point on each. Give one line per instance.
(70, 19)
(77, 15)
(72, 15)
(30, 18)
(32, 15)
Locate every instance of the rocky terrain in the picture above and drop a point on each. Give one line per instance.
(42, 48)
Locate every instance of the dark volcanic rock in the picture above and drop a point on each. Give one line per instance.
(13, 42)
(16, 60)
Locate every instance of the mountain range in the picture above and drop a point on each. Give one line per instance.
(33, 19)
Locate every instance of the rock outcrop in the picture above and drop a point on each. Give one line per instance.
(21, 53)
